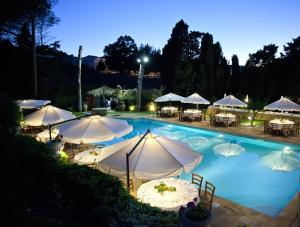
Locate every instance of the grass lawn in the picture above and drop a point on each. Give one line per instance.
(78, 114)
(255, 122)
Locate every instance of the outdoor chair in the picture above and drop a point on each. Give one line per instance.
(226, 121)
(237, 122)
(209, 192)
(180, 116)
(275, 130)
(297, 128)
(199, 117)
(267, 127)
(158, 113)
(197, 180)
(26, 129)
(286, 130)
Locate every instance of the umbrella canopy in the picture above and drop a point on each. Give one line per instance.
(231, 101)
(47, 115)
(32, 103)
(94, 129)
(169, 98)
(155, 157)
(195, 99)
(283, 104)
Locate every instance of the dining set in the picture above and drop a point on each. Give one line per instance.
(167, 111)
(225, 120)
(281, 127)
(191, 115)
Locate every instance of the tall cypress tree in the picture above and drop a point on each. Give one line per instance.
(172, 54)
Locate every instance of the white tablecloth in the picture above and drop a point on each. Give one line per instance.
(280, 123)
(192, 113)
(220, 117)
(88, 156)
(169, 109)
(44, 135)
(185, 192)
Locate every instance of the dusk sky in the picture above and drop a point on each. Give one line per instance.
(242, 27)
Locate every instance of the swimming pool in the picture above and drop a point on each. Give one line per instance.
(258, 174)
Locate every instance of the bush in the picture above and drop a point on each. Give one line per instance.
(120, 106)
(42, 191)
(10, 115)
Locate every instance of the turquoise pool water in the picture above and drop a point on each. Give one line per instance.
(262, 175)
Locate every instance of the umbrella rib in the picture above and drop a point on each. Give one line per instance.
(139, 155)
(169, 153)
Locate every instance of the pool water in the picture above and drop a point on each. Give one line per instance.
(257, 174)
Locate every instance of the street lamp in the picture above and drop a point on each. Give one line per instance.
(142, 62)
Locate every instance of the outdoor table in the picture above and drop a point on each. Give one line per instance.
(281, 122)
(44, 135)
(191, 113)
(220, 117)
(185, 192)
(169, 110)
(88, 157)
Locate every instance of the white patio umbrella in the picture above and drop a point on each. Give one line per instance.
(32, 103)
(283, 104)
(154, 157)
(230, 101)
(93, 129)
(195, 99)
(169, 98)
(48, 115)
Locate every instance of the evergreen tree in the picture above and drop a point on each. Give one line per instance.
(172, 54)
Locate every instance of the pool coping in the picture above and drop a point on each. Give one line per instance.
(281, 216)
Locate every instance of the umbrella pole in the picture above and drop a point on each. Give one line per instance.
(49, 128)
(127, 159)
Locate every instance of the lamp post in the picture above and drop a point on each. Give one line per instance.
(142, 62)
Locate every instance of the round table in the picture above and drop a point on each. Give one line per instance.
(192, 113)
(280, 123)
(88, 157)
(220, 117)
(169, 110)
(185, 192)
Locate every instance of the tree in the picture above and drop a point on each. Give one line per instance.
(121, 55)
(235, 73)
(172, 53)
(154, 57)
(100, 66)
(262, 57)
(292, 49)
(16, 14)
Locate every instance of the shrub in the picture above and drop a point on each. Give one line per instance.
(42, 191)
(10, 115)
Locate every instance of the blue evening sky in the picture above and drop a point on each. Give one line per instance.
(241, 26)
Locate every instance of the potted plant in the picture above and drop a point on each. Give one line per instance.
(194, 215)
